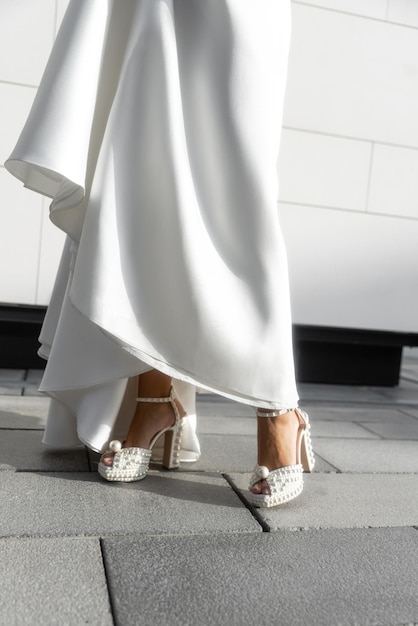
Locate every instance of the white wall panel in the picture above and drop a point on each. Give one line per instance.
(323, 170)
(15, 102)
(20, 224)
(61, 8)
(353, 76)
(371, 8)
(352, 270)
(394, 182)
(26, 36)
(404, 11)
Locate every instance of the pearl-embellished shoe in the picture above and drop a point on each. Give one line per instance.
(131, 464)
(285, 483)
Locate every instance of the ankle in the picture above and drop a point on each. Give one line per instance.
(277, 439)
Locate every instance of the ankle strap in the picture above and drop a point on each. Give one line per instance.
(273, 412)
(154, 399)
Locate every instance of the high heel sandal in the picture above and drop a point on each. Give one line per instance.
(285, 483)
(131, 464)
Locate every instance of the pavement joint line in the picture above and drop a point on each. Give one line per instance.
(256, 515)
(108, 582)
(337, 469)
(367, 429)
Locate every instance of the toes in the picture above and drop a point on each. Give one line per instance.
(261, 488)
(107, 459)
(256, 488)
(265, 490)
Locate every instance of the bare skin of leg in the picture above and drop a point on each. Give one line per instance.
(276, 440)
(149, 418)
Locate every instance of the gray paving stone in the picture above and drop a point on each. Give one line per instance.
(25, 406)
(345, 501)
(53, 581)
(215, 425)
(360, 414)
(12, 390)
(411, 411)
(83, 504)
(216, 406)
(31, 390)
(319, 578)
(338, 393)
(406, 394)
(342, 430)
(11, 375)
(372, 455)
(21, 422)
(395, 431)
(222, 453)
(23, 450)
(34, 376)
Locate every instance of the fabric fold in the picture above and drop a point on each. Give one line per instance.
(156, 131)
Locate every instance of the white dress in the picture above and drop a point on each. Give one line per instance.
(155, 131)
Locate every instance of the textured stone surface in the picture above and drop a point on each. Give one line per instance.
(24, 450)
(11, 375)
(316, 578)
(214, 425)
(360, 414)
(342, 430)
(212, 405)
(345, 501)
(84, 504)
(374, 456)
(338, 393)
(53, 581)
(11, 390)
(395, 431)
(25, 406)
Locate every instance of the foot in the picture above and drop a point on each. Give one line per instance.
(149, 419)
(277, 437)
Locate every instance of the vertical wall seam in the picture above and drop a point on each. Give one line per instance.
(369, 182)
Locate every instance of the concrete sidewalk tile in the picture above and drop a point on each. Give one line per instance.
(360, 414)
(371, 455)
(31, 391)
(399, 396)
(395, 431)
(345, 501)
(411, 411)
(84, 504)
(342, 430)
(214, 425)
(53, 581)
(337, 393)
(17, 421)
(11, 391)
(25, 406)
(23, 450)
(34, 376)
(351, 577)
(214, 406)
(222, 453)
(11, 375)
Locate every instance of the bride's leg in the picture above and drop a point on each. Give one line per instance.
(149, 418)
(276, 443)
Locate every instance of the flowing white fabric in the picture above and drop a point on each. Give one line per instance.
(155, 131)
